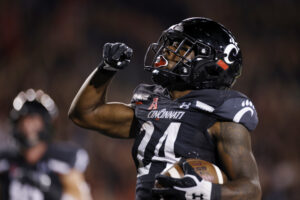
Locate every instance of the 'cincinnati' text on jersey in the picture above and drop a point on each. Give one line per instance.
(165, 114)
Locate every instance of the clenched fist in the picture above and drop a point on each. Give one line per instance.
(116, 56)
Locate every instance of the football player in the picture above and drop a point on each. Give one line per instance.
(40, 169)
(189, 112)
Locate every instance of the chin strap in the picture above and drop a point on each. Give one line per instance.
(170, 81)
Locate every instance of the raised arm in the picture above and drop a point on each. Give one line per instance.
(89, 108)
(235, 152)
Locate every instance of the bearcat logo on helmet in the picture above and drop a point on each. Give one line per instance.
(229, 49)
(216, 64)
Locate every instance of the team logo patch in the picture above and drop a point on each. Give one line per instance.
(247, 107)
(153, 106)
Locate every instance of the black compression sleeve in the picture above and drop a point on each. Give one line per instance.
(102, 76)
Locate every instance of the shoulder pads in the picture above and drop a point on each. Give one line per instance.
(64, 157)
(238, 109)
(227, 105)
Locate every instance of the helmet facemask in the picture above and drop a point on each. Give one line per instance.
(32, 129)
(179, 46)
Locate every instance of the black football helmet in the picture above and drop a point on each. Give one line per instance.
(33, 102)
(216, 64)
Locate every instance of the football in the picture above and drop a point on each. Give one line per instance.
(204, 169)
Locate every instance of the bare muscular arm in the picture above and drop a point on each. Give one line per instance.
(234, 148)
(89, 108)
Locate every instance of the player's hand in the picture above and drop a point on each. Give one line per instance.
(191, 186)
(116, 56)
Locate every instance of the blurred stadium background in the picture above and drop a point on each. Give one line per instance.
(55, 44)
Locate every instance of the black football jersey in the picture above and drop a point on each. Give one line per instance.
(22, 181)
(168, 130)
